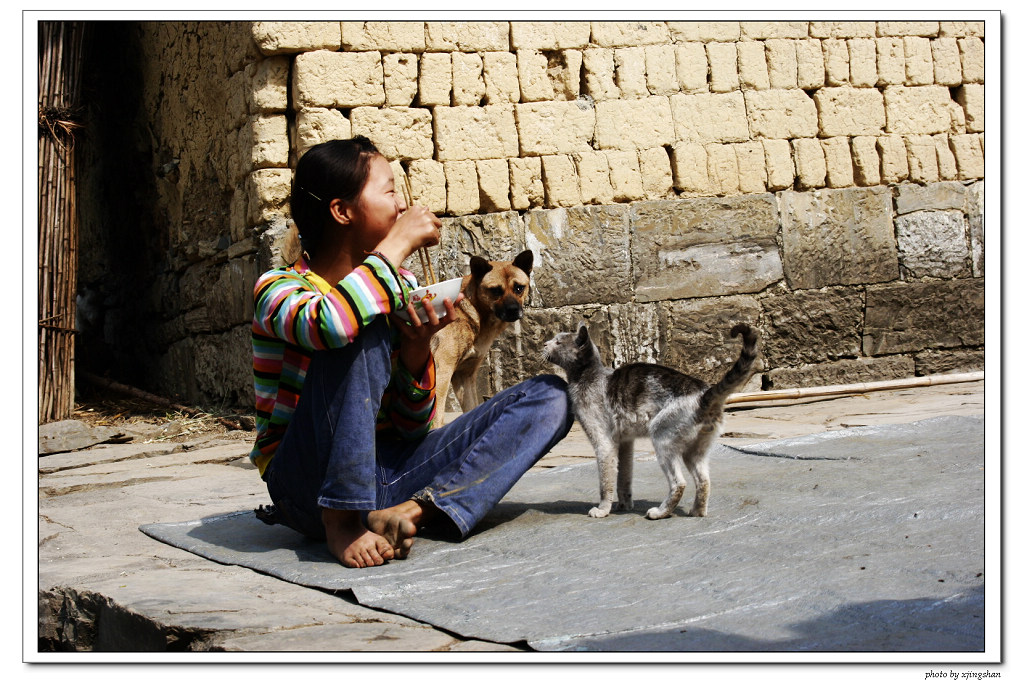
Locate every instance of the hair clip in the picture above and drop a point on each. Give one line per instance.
(311, 194)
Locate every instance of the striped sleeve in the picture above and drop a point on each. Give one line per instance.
(413, 400)
(289, 308)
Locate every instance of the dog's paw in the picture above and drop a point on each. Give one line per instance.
(624, 505)
(598, 512)
(657, 514)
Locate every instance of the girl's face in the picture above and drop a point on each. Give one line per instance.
(378, 205)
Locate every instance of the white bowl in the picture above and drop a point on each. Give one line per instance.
(433, 295)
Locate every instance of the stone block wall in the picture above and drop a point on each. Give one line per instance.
(822, 180)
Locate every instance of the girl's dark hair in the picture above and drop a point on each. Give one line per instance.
(336, 169)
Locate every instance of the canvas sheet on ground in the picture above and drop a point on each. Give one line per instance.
(863, 539)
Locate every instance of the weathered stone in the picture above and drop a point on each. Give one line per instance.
(494, 184)
(781, 114)
(838, 162)
(809, 162)
(501, 77)
(907, 28)
(475, 132)
(710, 117)
(695, 333)
(866, 162)
(922, 110)
(724, 70)
(917, 52)
(971, 96)
(761, 30)
(842, 29)
(976, 226)
(555, 127)
(972, 58)
(692, 67)
(752, 66)
(391, 36)
(398, 132)
(704, 247)
(634, 124)
(279, 37)
(627, 33)
(72, 435)
(655, 175)
(427, 181)
(838, 237)
(316, 125)
(631, 72)
(561, 180)
(950, 361)
(401, 72)
(527, 185)
(463, 187)
(837, 62)
(778, 159)
(690, 167)
(599, 73)
(843, 372)
(969, 154)
(811, 326)
(810, 64)
(911, 317)
(890, 61)
(781, 56)
(946, 60)
(922, 159)
(581, 255)
(932, 244)
(595, 185)
(723, 169)
(467, 79)
(661, 69)
(549, 35)
(850, 111)
(704, 31)
(467, 36)
(863, 62)
(338, 79)
(435, 79)
(934, 196)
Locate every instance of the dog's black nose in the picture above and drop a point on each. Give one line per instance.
(511, 313)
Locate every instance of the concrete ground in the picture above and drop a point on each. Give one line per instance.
(105, 586)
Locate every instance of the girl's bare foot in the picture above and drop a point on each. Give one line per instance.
(351, 543)
(398, 524)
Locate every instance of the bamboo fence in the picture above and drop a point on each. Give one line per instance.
(60, 58)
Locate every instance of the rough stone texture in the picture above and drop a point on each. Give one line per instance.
(752, 66)
(338, 79)
(969, 153)
(912, 317)
(501, 78)
(971, 96)
(842, 372)
(781, 114)
(704, 31)
(863, 62)
(866, 162)
(838, 162)
(850, 111)
(581, 255)
(494, 185)
(812, 326)
(704, 247)
(935, 196)
(922, 159)
(690, 167)
(631, 72)
(892, 68)
(427, 181)
(467, 79)
(654, 174)
(463, 187)
(837, 62)
(922, 110)
(838, 237)
(917, 51)
(809, 162)
(711, 117)
(561, 180)
(634, 124)
(400, 75)
(527, 185)
(724, 71)
(435, 79)
(398, 132)
(781, 56)
(695, 333)
(390, 36)
(545, 35)
(467, 36)
(951, 361)
(475, 132)
(624, 34)
(692, 67)
(555, 127)
(976, 226)
(933, 244)
(599, 73)
(779, 164)
(278, 37)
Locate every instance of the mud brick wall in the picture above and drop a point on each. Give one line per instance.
(822, 180)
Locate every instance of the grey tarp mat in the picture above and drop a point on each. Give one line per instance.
(863, 539)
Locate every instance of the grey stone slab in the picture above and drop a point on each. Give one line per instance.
(862, 539)
(72, 435)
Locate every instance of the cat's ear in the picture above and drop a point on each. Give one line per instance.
(582, 335)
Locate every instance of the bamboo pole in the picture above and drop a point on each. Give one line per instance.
(855, 388)
(59, 74)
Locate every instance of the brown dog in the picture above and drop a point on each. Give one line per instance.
(494, 295)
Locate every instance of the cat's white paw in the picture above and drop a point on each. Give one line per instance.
(598, 512)
(657, 514)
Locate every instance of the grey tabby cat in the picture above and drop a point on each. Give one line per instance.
(681, 414)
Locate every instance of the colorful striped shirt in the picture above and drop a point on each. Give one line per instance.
(297, 313)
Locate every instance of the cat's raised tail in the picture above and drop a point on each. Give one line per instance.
(714, 397)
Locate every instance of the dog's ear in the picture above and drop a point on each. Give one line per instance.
(582, 336)
(479, 267)
(524, 261)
